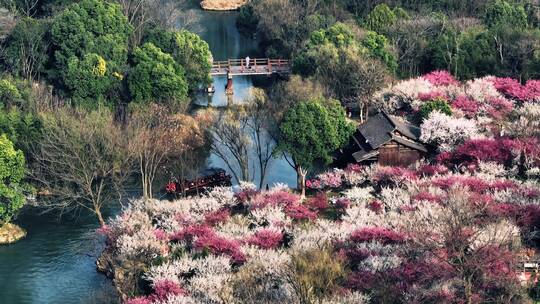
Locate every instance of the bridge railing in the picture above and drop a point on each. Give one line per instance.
(255, 62)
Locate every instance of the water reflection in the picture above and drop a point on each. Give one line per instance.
(225, 41)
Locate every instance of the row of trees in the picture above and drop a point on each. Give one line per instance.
(104, 51)
(294, 122)
(93, 95)
(469, 38)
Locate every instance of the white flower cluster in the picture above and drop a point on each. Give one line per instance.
(502, 233)
(447, 132)
(235, 228)
(403, 94)
(350, 298)
(482, 89)
(394, 198)
(179, 299)
(376, 263)
(320, 234)
(271, 215)
(359, 195)
(210, 274)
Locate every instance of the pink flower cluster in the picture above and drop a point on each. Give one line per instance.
(441, 78)
(273, 198)
(432, 96)
(467, 105)
(266, 239)
(487, 150)
(515, 90)
(220, 246)
(217, 217)
(300, 212)
(161, 291)
(331, 179)
(382, 235)
(385, 176)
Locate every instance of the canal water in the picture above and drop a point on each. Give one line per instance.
(56, 262)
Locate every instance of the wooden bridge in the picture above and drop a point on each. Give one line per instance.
(257, 66)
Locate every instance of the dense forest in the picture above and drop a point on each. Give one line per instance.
(93, 84)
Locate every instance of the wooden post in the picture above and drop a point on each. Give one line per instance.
(229, 86)
(269, 66)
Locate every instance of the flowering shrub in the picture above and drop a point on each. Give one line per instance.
(467, 105)
(447, 132)
(165, 288)
(382, 235)
(447, 231)
(332, 179)
(220, 246)
(266, 239)
(319, 202)
(499, 151)
(393, 235)
(300, 212)
(515, 90)
(440, 78)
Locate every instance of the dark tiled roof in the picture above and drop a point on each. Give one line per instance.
(379, 130)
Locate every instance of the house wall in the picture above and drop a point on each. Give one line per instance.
(394, 154)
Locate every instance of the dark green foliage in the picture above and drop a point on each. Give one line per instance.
(378, 48)
(188, 50)
(33, 8)
(324, 46)
(465, 54)
(9, 93)
(22, 128)
(26, 51)
(89, 77)
(91, 26)
(12, 171)
(310, 132)
(456, 7)
(437, 104)
(504, 13)
(247, 19)
(382, 16)
(339, 35)
(156, 76)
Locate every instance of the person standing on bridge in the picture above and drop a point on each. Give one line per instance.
(247, 62)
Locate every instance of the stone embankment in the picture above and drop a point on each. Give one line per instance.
(222, 5)
(11, 233)
(124, 274)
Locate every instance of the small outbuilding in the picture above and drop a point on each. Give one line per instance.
(388, 140)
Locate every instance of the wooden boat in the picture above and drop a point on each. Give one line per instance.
(209, 178)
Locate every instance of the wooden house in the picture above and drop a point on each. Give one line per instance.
(387, 140)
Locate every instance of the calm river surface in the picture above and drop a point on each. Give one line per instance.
(56, 262)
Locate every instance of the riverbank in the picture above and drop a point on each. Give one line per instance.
(11, 233)
(222, 5)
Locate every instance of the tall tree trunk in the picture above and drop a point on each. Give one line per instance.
(97, 211)
(301, 180)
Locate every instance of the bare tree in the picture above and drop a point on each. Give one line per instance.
(157, 136)
(7, 23)
(164, 13)
(80, 161)
(231, 142)
(259, 123)
(28, 48)
(29, 7)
